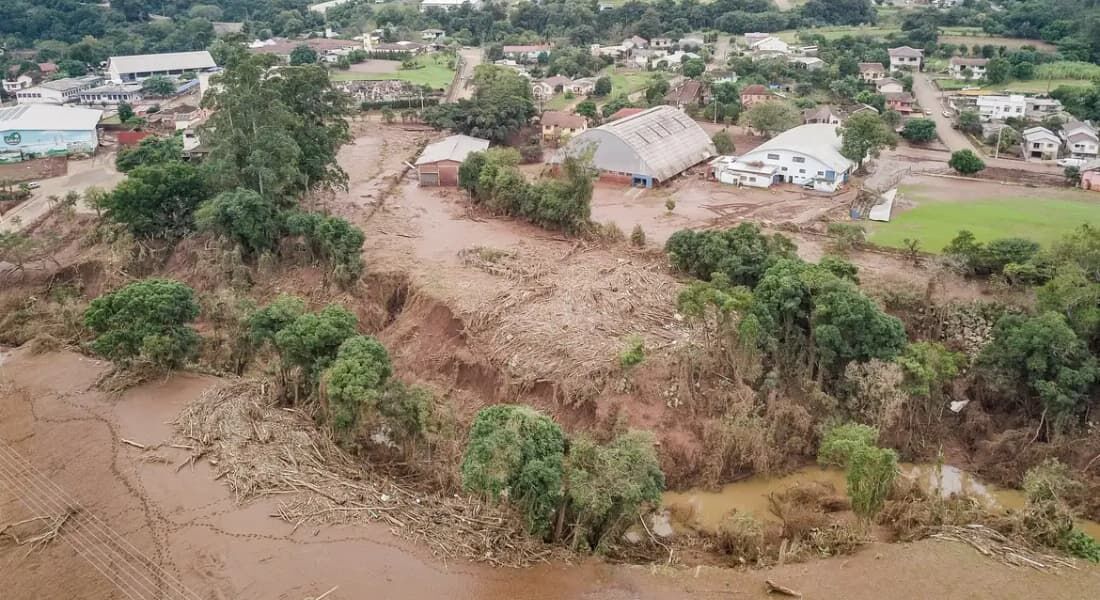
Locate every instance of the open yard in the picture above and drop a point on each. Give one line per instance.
(933, 210)
(434, 70)
(624, 81)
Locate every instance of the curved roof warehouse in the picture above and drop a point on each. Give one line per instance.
(47, 129)
(647, 148)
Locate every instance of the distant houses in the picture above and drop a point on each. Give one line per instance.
(755, 94)
(905, 58)
(1081, 139)
(967, 68)
(871, 71)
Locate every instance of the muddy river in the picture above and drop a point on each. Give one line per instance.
(751, 495)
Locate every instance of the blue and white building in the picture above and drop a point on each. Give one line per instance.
(805, 155)
(32, 130)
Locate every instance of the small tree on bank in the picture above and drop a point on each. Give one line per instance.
(147, 320)
(965, 162)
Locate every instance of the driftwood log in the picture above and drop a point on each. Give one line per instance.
(775, 588)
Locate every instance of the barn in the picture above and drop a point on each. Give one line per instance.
(438, 164)
(645, 149)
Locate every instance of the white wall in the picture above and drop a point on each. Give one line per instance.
(798, 172)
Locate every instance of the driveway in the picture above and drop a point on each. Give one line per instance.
(933, 100)
(471, 58)
(98, 171)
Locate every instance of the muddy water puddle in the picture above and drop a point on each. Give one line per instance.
(751, 495)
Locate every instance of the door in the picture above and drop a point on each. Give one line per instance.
(429, 179)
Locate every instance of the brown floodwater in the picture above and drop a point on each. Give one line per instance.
(751, 495)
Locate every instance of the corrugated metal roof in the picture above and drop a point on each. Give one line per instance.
(172, 61)
(665, 139)
(47, 117)
(456, 148)
(817, 140)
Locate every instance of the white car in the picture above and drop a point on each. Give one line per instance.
(1071, 162)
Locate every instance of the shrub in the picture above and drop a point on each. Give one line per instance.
(516, 453)
(243, 216)
(871, 474)
(723, 142)
(841, 442)
(742, 254)
(919, 130)
(355, 380)
(741, 536)
(336, 241)
(312, 340)
(637, 236)
(846, 236)
(158, 201)
(965, 162)
(264, 323)
(634, 353)
(147, 319)
(670, 204)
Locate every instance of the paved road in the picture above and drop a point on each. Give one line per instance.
(932, 100)
(471, 58)
(98, 171)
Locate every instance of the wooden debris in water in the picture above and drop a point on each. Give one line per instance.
(993, 544)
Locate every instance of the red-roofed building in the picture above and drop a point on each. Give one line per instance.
(755, 94)
(557, 124)
(624, 112)
(47, 68)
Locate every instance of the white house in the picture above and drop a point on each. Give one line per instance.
(58, 91)
(112, 94)
(810, 63)
(770, 46)
(1040, 143)
(805, 155)
(999, 108)
(19, 83)
(1081, 139)
(871, 71)
(905, 58)
(968, 68)
(446, 4)
(123, 69)
(674, 61)
(1040, 108)
(889, 85)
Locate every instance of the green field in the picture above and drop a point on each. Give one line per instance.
(627, 82)
(936, 221)
(833, 33)
(560, 102)
(434, 72)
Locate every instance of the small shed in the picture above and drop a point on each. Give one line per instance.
(438, 164)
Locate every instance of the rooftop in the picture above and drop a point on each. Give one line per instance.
(818, 140)
(172, 61)
(527, 48)
(455, 147)
(872, 67)
(622, 113)
(689, 91)
(755, 90)
(69, 83)
(906, 51)
(666, 140)
(558, 118)
(969, 62)
(47, 117)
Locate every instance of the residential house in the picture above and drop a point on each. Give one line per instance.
(438, 163)
(999, 108)
(426, 5)
(635, 42)
(431, 35)
(661, 43)
(755, 94)
(905, 58)
(1041, 108)
(899, 101)
(1090, 176)
(526, 53)
(1081, 139)
(112, 94)
(323, 7)
(821, 115)
(561, 126)
(398, 48)
(688, 93)
(15, 84)
(805, 155)
(691, 42)
(328, 50)
(810, 63)
(582, 86)
(871, 71)
(547, 88)
(47, 68)
(644, 149)
(58, 91)
(722, 76)
(888, 85)
(622, 113)
(122, 69)
(615, 52)
(674, 61)
(1040, 143)
(967, 68)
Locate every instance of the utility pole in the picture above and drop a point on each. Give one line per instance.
(997, 149)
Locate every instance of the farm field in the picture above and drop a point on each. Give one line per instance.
(939, 208)
(435, 71)
(949, 36)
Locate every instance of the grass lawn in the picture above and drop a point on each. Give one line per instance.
(627, 82)
(559, 102)
(434, 72)
(935, 222)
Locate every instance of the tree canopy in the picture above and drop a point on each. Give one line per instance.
(159, 200)
(146, 320)
(501, 105)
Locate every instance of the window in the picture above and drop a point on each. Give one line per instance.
(784, 169)
(773, 157)
(803, 171)
(821, 173)
(799, 159)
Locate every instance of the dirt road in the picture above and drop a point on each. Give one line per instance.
(471, 58)
(98, 171)
(932, 100)
(169, 532)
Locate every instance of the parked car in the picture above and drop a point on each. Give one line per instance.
(947, 114)
(34, 185)
(1071, 162)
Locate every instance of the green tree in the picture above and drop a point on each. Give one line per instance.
(693, 68)
(501, 106)
(158, 201)
(919, 131)
(602, 87)
(158, 85)
(303, 55)
(152, 150)
(1076, 297)
(970, 121)
(515, 452)
(333, 239)
(742, 254)
(588, 109)
(723, 142)
(928, 367)
(147, 320)
(656, 90)
(998, 70)
(311, 341)
(243, 216)
(125, 112)
(770, 118)
(356, 381)
(265, 322)
(965, 162)
(864, 135)
(1072, 175)
(606, 485)
(840, 442)
(1040, 358)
